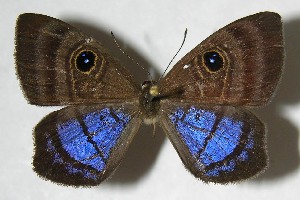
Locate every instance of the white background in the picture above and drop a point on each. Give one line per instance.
(151, 32)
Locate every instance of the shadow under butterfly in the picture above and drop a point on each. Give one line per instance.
(201, 103)
(283, 140)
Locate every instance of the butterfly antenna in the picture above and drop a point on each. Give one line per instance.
(185, 32)
(116, 42)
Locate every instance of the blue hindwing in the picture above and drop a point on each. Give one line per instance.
(77, 148)
(222, 143)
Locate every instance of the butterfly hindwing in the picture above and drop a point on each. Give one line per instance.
(240, 64)
(59, 65)
(216, 143)
(83, 145)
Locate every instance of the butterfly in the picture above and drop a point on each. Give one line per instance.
(201, 104)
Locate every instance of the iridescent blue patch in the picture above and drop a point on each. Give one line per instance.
(76, 143)
(228, 167)
(223, 141)
(90, 140)
(105, 128)
(194, 127)
(242, 157)
(68, 166)
(208, 139)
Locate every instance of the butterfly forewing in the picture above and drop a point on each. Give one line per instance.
(240, 64)
(216, 143)
(83, 145)
(59, 65)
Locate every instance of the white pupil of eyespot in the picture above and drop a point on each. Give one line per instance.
(86, 60)
(212, 60)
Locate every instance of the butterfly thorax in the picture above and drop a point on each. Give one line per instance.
(149, 102)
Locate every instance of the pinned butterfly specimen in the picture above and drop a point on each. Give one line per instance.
(202, 103)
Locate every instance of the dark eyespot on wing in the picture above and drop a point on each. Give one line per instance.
(213, 61)
(59, 65)
(86, 60)
(240, 64)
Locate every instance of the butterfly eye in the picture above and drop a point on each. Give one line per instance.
(213, 61)
(85, 60)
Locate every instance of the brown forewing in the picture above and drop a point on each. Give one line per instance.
(45, 50)
(253, 53)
